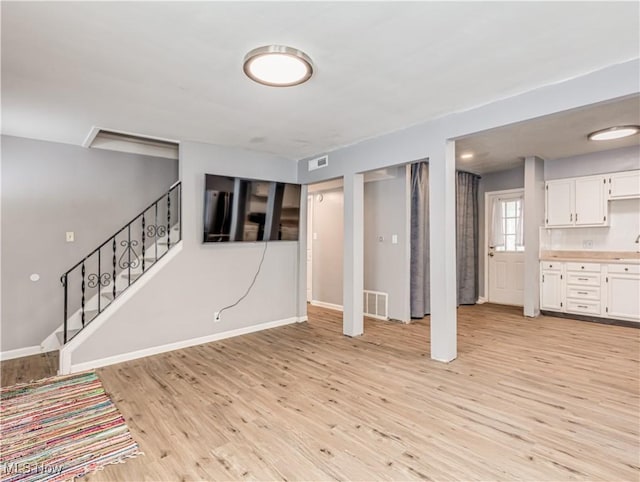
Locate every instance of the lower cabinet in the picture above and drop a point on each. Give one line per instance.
(594, 289)
(623, 292)
(551, 281)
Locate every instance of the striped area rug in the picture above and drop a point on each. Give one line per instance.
(59, 428)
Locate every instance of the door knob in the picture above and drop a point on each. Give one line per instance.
(491, 254)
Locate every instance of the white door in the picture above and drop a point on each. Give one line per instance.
(309, 248)
(505, 247)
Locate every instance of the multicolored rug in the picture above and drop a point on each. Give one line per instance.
(59, 428)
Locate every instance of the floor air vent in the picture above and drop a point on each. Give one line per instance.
(376, 304)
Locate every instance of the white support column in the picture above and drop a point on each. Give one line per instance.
(442, 237)
(302, 256)
(533, 219)
(352, 320)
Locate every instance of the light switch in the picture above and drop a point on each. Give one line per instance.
(394, 239)
(315, 236)
(70, 236)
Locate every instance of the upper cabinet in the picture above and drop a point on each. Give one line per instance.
(624, 185)
(576, 202)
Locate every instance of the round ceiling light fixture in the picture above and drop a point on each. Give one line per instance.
(466, 156)
(616, 132)
(278, 66)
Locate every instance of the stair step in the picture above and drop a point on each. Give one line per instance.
(109, 295)
(134, 276)
(70, 334)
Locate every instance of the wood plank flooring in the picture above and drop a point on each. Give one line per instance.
(544, 399)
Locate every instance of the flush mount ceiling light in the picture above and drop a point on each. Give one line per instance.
(467, 155)
(611, 133)
(278, 66)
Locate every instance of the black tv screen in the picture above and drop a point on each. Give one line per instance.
(239, 209)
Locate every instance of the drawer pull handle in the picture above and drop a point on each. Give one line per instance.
(583, 279)
(581, 267)
(626, 269)
(582, 306)
(582, 293)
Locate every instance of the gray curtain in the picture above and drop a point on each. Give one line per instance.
(466, 238)
(420, 286)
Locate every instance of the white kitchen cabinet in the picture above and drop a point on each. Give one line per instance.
(551, 286)
(624, 185)
(559, 203)
(593, 289)
(590, 208)
(576, 202)
(583, 288)
(623, 292)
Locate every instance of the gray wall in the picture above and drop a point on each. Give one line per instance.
(328, 229)
(494, 181)
(50, 188)
(625, 159)
(179, 302)
(386, 213)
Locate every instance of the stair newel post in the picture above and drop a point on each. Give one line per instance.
(143, 241)
(114, 267)
(82, 287)
(64, 283)
(180, 212)
(155, 237)
(169, 220)
(99, 279)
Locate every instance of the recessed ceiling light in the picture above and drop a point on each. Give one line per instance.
(611, 133)
(468, 155)
(278, 66)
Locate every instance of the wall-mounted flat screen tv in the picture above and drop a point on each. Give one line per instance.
(239, 209)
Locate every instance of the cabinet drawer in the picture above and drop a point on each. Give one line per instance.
(583, 279)
(586, 307)
(581, 267)
(551, 265)
(583, 293)
(624, 268)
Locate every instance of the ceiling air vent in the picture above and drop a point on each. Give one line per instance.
(318, 163)
(131, 143)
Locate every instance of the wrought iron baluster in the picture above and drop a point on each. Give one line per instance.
(99, 281)
(129, 254)
(168, 220)
(114, 267)
(64, 282)
(143, 241)
(82, 288)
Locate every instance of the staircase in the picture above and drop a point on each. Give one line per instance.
(95, 282)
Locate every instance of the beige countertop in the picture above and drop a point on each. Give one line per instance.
(609, 257)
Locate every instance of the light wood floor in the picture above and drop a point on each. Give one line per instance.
(546, 399)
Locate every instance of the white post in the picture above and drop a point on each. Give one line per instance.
(353, 321)
(533, 219)
(442, 237)
(302, 256)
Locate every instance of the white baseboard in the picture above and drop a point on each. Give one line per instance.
(331, 306)
(112, 360)
(20, 352)
(482, 300)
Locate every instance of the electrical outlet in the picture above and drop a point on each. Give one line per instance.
(216, 316)
(381, 239)
(70, 237)
(587, 244)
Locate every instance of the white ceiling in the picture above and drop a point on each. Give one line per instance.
(173, 70)
(551, 137)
